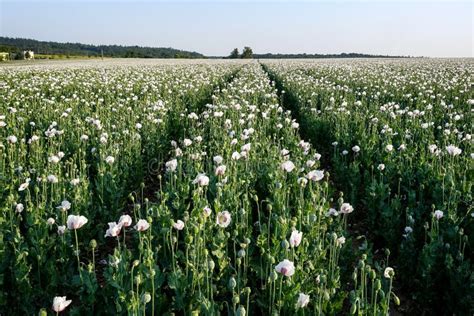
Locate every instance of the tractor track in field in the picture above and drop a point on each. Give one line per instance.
(356, 229)
(152, 183)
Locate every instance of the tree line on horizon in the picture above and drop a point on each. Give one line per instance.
(16, 45)
(247, 52)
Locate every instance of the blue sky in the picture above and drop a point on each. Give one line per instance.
(417, 28)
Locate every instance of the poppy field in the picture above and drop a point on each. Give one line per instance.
(220, 187)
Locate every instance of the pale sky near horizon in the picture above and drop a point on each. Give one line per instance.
(416, 28)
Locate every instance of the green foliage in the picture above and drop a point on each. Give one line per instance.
(234, 54)
(247, 53)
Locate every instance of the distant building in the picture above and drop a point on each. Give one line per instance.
(4, 56)
(28, 54)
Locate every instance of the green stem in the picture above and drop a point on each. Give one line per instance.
(77, 255)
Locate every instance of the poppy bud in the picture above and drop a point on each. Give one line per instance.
(396, 299)
(354, 276)
(236, 299)
(241, 311)
(211, 265)
(378, 285)
(381, 293)
(146, 298)
(340, 200)
(367, 269)
(138, 279)
(323, 279)
(232, 283)
(326, 296)
(353, 308)
(273, 276)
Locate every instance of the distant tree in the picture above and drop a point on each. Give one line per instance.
(247, 52)
(234, 54)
